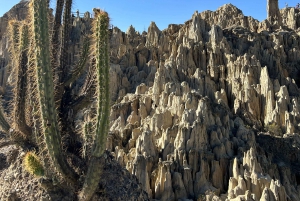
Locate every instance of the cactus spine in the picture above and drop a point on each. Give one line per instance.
(100, 27)
(50, 128)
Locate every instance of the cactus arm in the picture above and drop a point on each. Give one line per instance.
(65, 40)
(19, 110)
(43, 71)
(102, 68)
(63, 67)
(94, 172)
(56, 31)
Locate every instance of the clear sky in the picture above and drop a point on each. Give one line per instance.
(139, 13)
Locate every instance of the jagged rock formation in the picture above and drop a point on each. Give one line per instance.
(208, 108)
(191, 99)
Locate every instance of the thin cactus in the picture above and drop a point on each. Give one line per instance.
(87, 138)
(19, 110)
(56, 31)
(50, 127)
(102, 70)
(64, 64)
(100, 28)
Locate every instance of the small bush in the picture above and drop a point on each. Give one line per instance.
(274, 129)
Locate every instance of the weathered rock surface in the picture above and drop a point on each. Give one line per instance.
(194, 98)
(208, 109)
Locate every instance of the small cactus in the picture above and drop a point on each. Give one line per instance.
(33, 164)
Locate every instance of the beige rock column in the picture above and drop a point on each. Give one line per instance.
(273, 12)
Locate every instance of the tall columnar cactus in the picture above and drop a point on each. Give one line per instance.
(19, 109)
(19, 37)
(102, 69)
(65, 40)
(100, 28)
(56, 31)
(50, 127)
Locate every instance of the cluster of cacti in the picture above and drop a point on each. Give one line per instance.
(45, 59)
(45, 95)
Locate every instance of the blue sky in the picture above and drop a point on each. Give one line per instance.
(139, 13)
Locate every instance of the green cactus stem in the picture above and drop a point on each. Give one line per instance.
(44, 78)
(100, 27)
(64, 64)
(102, 70)
(19, 109)
(56, 31)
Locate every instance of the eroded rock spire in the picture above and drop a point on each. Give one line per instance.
(273, 12)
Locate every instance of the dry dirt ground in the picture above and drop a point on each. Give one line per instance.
(17, 184)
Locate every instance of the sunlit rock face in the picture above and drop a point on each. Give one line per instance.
(208, 109)
(191, 103)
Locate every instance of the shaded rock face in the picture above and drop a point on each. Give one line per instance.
(188, 103)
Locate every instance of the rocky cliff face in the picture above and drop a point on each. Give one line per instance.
(208, 109)
(196, 107)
